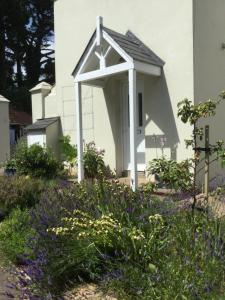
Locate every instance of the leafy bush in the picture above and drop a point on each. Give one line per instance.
(14, 234)
(19, 192)
(174, 175)
(10, 167)
(68, 152)
(36, 161)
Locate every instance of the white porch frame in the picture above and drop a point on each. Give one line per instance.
(131, 67)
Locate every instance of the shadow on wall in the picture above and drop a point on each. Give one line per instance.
(160, 129)
(161, 135)
(112, 98)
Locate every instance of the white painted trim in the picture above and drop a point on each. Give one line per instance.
(98, 55)
(119, 68)
(147, 68)
(87, 56)
(118, 49)
(99, 24)
(133, 127)
(79, 131)
(108, 51)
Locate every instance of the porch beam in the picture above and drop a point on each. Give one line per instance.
(79, 131)
(147, 68)
(116, 69)
(93, 46)
(133, 128)
(95, 83)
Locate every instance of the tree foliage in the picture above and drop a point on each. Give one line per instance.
(26, 56)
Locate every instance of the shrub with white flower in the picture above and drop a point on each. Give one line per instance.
(80, 225)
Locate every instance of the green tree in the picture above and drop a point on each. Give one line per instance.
(193, 114)
(25, 56)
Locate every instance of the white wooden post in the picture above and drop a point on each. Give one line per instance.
(79, 131)
(133, 128)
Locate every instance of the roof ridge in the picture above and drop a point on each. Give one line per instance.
(119, 34)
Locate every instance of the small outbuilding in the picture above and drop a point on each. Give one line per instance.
(45, 132)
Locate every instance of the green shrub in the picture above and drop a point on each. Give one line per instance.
(14, 234)
(68, 151)
(36, 161)
(19, 191)
(10, 165)
(174, 175)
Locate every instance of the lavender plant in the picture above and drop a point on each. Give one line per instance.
(130, 242)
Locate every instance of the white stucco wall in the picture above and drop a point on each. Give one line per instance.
(51, 104)
(4, 130)
(36, 137)
(53, 135)
(167, 28)
(209, 58)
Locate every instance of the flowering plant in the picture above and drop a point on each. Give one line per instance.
(94, 166)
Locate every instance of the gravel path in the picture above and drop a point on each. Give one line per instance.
(7, 279)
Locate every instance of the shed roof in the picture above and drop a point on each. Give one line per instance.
(42, 124)
(19, 117)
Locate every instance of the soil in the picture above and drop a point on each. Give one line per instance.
(87, 292)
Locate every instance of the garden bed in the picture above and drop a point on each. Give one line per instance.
(100, 237)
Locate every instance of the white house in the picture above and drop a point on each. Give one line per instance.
(4, 130)
(118, 80)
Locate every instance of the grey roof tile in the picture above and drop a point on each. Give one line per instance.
(42, 124)
(135, 48)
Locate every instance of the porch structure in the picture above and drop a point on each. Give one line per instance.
(109, 53)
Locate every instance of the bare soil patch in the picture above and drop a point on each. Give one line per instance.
(87, 292)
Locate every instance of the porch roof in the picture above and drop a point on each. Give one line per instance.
(129, 43)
